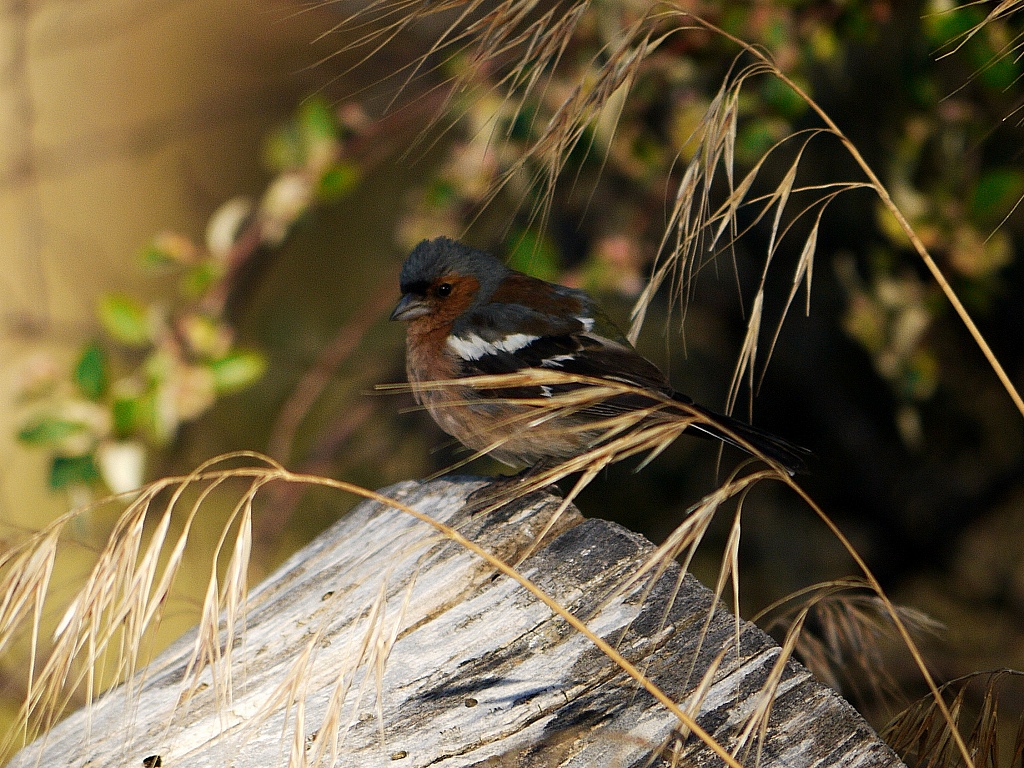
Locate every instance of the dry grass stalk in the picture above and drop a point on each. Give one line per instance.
(696, 229)
(92, 624)
(844, 636)
(643, 430)
(649, 431)
(901, 626)
(671, 749)
(369, 656)
(883, 193)
(922, 734)
(522, 45)
(691, 229)
(681, 546)
(124, 590)
(757, 721)
(117, 608)
(1001, 10)
(382, 633)
(124, 594)
(127, 591)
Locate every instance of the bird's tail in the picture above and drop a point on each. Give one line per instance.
(791, 457)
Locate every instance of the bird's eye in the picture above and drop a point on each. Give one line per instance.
(444, 290)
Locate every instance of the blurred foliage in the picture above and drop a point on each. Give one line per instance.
(592, 218)
(165, 362)
(957, 194)
(928, 91)
(156, 367)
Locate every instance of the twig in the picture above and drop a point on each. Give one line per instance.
(316, 379)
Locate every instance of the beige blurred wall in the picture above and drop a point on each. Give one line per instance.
(118, 119)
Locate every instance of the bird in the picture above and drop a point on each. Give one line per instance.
(470, 315)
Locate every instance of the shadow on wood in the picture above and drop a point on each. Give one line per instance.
(410, 651)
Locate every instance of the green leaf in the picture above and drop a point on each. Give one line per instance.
(519, 130)
(998, 70)
(440, 194)
(784, 99)
(337, 181)
(147, 418)
(535, 254)
(945, 29)
(995, 193)
(71, 470)
(153, 257)
(126, 413)
(169, 249)
(198, 279)
(776, 33)
(125, 319)
(91, 373)
(318, 121)
(757, 137)
(282, 149)
(237, 370)
(49, 430)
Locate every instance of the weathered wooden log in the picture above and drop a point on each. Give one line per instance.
(411, 651)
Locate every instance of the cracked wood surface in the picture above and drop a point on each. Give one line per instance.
(427, 658)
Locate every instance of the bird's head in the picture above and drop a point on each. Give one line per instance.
(442, 278)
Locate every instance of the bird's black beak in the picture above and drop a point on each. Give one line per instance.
(410, 307)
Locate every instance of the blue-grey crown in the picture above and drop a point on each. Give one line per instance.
(441, 256)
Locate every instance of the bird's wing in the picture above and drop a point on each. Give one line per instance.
(511, 338)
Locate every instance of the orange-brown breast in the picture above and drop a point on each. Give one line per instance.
(428, 357)
(484, 424)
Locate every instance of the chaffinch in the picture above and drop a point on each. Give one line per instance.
(470, 315)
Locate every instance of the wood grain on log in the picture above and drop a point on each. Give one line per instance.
(427, 658)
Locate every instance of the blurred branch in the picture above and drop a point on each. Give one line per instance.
(316, 379)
